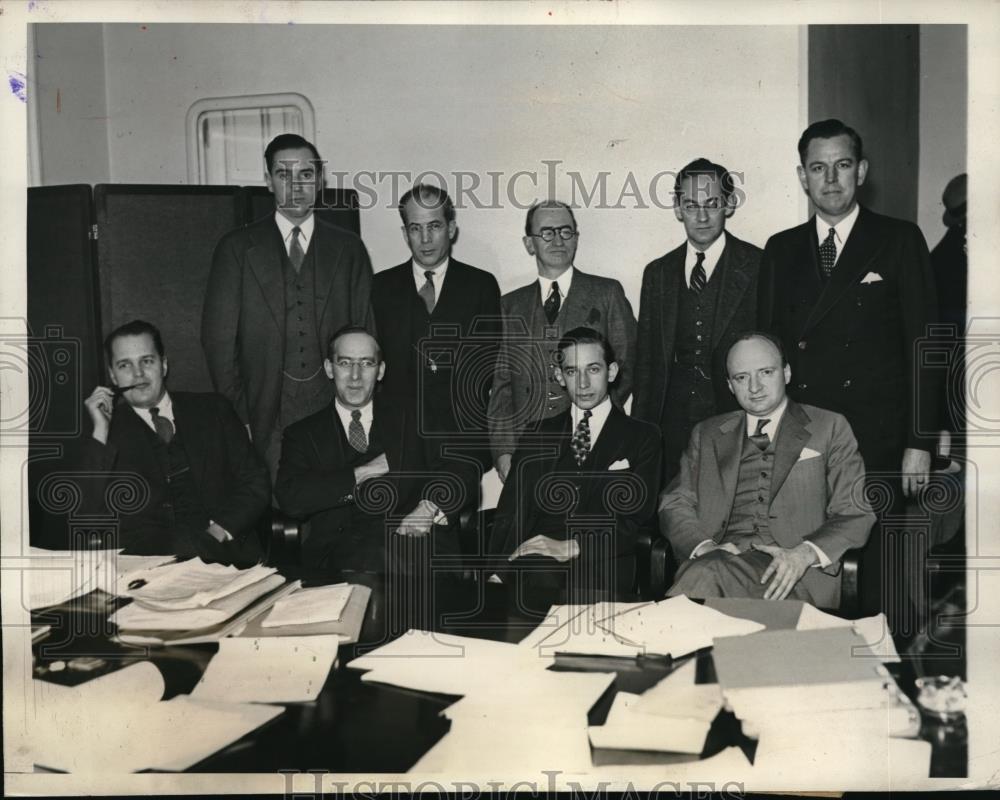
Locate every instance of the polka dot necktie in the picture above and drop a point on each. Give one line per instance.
(581, 439)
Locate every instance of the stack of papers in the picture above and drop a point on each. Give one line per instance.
(192, 596)
(676, 626)
(116, 723)
(874, 631)
(309, 606)
(272, 670)
(583, 630)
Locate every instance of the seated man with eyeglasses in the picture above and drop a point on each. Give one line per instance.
(359, 473)
(535, 317)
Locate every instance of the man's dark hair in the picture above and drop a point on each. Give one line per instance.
(136, 327)
(545, 204)
(702, 166)
(584, 335)
(288, 141)
(748, 335)
(427, 195)
(828, 129)
(344, 331)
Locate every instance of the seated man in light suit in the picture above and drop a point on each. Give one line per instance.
(207, 488)
(582, 483)
(358, 470)
(768, 498)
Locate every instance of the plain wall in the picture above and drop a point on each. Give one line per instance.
(67, 98)
(944, 107)
(479, 99)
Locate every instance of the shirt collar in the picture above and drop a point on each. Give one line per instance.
(166, 410)
(346, 417)
(306, 228)
(598, 416)
(842, 229)
(712, 255)
(564, 281)
(771, 429)
(439, 273)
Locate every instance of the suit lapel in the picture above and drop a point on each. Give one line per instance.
(609, 442)
(325, 263)
(265, 258)
(728, 448)
(793, 434)
(130, 433)
(194, 436)
(450, 293)
(670, 298)
(860, 250)
(734, 283)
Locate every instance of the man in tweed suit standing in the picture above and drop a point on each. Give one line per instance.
(525, 387)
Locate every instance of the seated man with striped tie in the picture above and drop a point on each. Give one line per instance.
(770, 497)
(204, 488)
(581, 484)
(359, 473)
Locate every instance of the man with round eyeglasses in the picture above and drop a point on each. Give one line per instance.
(525, 387)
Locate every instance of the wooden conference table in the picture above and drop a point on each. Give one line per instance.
(360, 727)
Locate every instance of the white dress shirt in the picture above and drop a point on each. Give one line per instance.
(564, 281)
(419, 278)
(840, 231)
(166, 408)
(712, 255)
(305, 227)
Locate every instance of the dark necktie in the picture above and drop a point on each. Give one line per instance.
(552, 304)
(427, 291)
(759, 438)
(698, 276)
(581, 439)
(356, 433)
(828, 253)
(164, 427)
(295, 252)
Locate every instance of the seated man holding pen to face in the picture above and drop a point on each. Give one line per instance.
(205, 488)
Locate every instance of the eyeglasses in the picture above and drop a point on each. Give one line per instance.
(549, 234)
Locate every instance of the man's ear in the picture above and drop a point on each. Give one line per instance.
(112, 377)
(452, 230)
(166, 366)
(612, 371)
(801, 172)
(732, 391)
(267, 179)
(381, 371)
(328, 368)
(529, 245)
(862, 170)
(559, 377)
(788, 373)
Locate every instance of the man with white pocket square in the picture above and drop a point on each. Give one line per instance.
(851, 293)
(768, 498)
(582, 483)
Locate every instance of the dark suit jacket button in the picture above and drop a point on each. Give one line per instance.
(847, 383)
(802, 345)
(802, 386)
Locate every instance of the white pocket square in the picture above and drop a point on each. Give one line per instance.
(621, 463)
(871, 277)
(807, 453)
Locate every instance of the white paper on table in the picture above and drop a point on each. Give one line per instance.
(307, 606)
(546, 695)
(627, 728)
(669, 698)
(128, 568)
(52, 577)
(677, 626)
(273, 669)
(874, 630)
(194, 584)
(581, 634)
(731, 763)
(137, 684)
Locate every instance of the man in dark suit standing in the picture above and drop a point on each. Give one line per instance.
(206, 488)
(438, 322)
(850, 293)
(525, 386)
(766, 501)
(359, 473)
(695, 301)
(585, 481)
(277, 291)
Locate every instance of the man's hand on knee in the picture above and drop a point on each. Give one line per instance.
(786, 568)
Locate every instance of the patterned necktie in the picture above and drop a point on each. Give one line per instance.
(295, 252)
(761, 439)
(164, 427)
(580, 442)
(828, 253)
(356, 433)
(427, 291)
(698, 276)
(552, 304)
